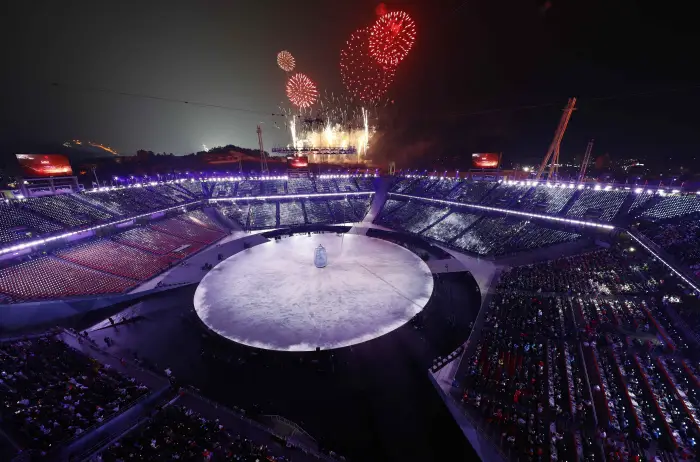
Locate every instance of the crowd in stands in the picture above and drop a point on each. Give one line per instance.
(179, 433)
(470, 232)
(35, 217)
(18, 224)
(50, 393)
(300, 185)
(597, 205)
(577, 359)
(592, 203)
(679, 236)
(275, 214)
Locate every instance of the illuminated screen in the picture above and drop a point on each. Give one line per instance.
(298, 162)
(485, 160)
(44, 165)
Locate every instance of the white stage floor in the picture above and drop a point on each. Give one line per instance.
(273, 297)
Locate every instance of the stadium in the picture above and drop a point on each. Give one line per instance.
(522, 320)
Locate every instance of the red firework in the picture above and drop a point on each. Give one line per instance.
(362, 75)
(301, 91)
(392, 37)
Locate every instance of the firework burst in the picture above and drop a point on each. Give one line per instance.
(364, 77)
(285, 61)
(391, 38)
(301, 91)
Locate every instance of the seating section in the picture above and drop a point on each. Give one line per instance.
(238, 212)
(317, 211)
(50, 393)
(601, 272)
(263, 215)
(403, 184)
(360, 206)
(273, 187)
(420, 187)
(364, 183)
(492, 236)
(156, 242)
(672, 206)
(389, 207)
(348, 210)
(395, 213)
(639, 202)
(488, 235)
(471, 192)
(504, 195)
(291, 213)
(300, 186)
(194, 188)
(170, 192)
(67, 210)
(178, 433)
(27, 219)
(18, 224)
(441, 188)
(131, 201)
(50, 277)
(346, 184)
(547, 200)
(566, 339)
(533, 236)
(188, 230)
(249, 188)
(200, 218)
(450, 227)
(326, 185)
(597, 205)
(417, 216)
(226, 189)
(679, 237)
(115, 258)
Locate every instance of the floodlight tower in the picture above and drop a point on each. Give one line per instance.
(553, 151)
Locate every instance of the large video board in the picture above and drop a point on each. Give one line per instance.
(44, 165)
(486, 160)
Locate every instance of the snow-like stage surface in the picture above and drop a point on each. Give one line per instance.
(272, 296)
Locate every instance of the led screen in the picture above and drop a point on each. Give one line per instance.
(44, 165)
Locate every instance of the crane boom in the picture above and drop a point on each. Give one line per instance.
(586, 161)
(552, 156)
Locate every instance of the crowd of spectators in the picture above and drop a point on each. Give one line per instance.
(600, 272)
(578, 358)
(469, 230)
(679, 236)
(51, 393)
(41, 216)
(179, 433)
(274, 214)
(596, 203)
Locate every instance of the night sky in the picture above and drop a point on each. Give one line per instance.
(470, 58)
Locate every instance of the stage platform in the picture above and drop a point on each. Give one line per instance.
(273, 297)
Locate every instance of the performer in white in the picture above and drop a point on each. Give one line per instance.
(320, 257)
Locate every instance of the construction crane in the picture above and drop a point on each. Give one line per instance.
(263, 160)
(586, 161)
(552, 156)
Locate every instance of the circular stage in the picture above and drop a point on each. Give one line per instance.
(272, 296)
